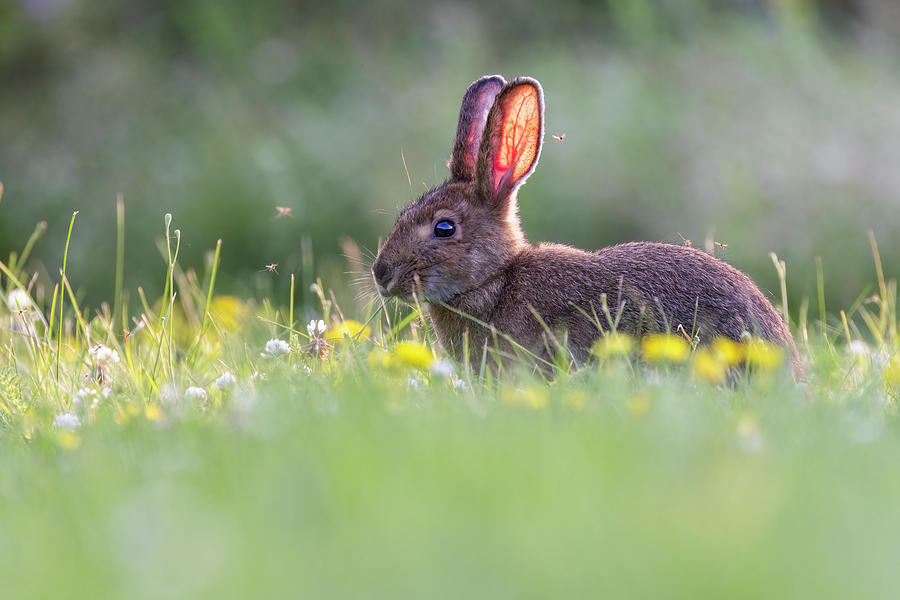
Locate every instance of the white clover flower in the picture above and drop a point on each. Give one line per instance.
(226, 380)
(442, 367)
(305, 368)
(195, 393)
(83, 394)
(257, 376)
(67, 421)
(100, 354)
(416, 381)
(277, 348)
(315, 328)
(20, 303)
(857, 348)
(459, 384)
(18, 300)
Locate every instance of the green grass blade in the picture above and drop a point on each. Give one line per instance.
(62, 293)
(120, 259)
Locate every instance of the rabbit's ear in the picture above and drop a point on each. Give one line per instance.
(512, 139)
(472, 116)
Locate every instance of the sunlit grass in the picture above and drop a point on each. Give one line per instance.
(206, 445)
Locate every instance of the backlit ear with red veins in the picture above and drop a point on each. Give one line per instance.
(512, 140)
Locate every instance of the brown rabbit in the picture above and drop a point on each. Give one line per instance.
(460, 248)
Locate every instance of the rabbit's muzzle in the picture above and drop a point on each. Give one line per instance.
(385, 277)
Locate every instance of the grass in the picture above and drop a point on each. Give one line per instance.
(359, 462)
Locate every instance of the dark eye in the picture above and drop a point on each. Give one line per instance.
(444, 228)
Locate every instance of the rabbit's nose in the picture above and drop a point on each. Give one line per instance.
(383, 274)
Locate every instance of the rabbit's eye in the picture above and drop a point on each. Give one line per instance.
(444, 228)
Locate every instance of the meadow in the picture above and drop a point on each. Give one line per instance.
(202, 397)
(224, 448)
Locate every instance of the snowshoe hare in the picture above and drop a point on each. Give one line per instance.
(460, 249)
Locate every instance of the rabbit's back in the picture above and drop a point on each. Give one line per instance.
(648, 287)
(688, 287)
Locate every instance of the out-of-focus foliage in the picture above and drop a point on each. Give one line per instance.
(765, 126)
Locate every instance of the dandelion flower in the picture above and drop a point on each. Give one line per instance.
(728, 351)
(346, 329)
(125, 413)
(763, 354)
(613, 344)
(315, 328)
(230, 312)
(68, 440)
(708, 366)
(195, 393)
(152, 412)
(67, 421)
(412, 354)
(378, 358)
(225, 381)
(664, 348)
(277, 348)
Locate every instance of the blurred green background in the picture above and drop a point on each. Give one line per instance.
(768, 126)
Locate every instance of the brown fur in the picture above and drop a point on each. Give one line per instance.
(488, 272)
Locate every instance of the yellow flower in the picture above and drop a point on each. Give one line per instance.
(709, 366)
(412, 354)
(379, 358)
(228, 311)
(638, 405)
(664, 348)
(612, 344)
(347, 329)
(728, 351)
(763, 354)
(405, 354)
(68, 440)
(175, 321)
(125, 414)
(531, 397)
(152, 412)
(892, 372)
